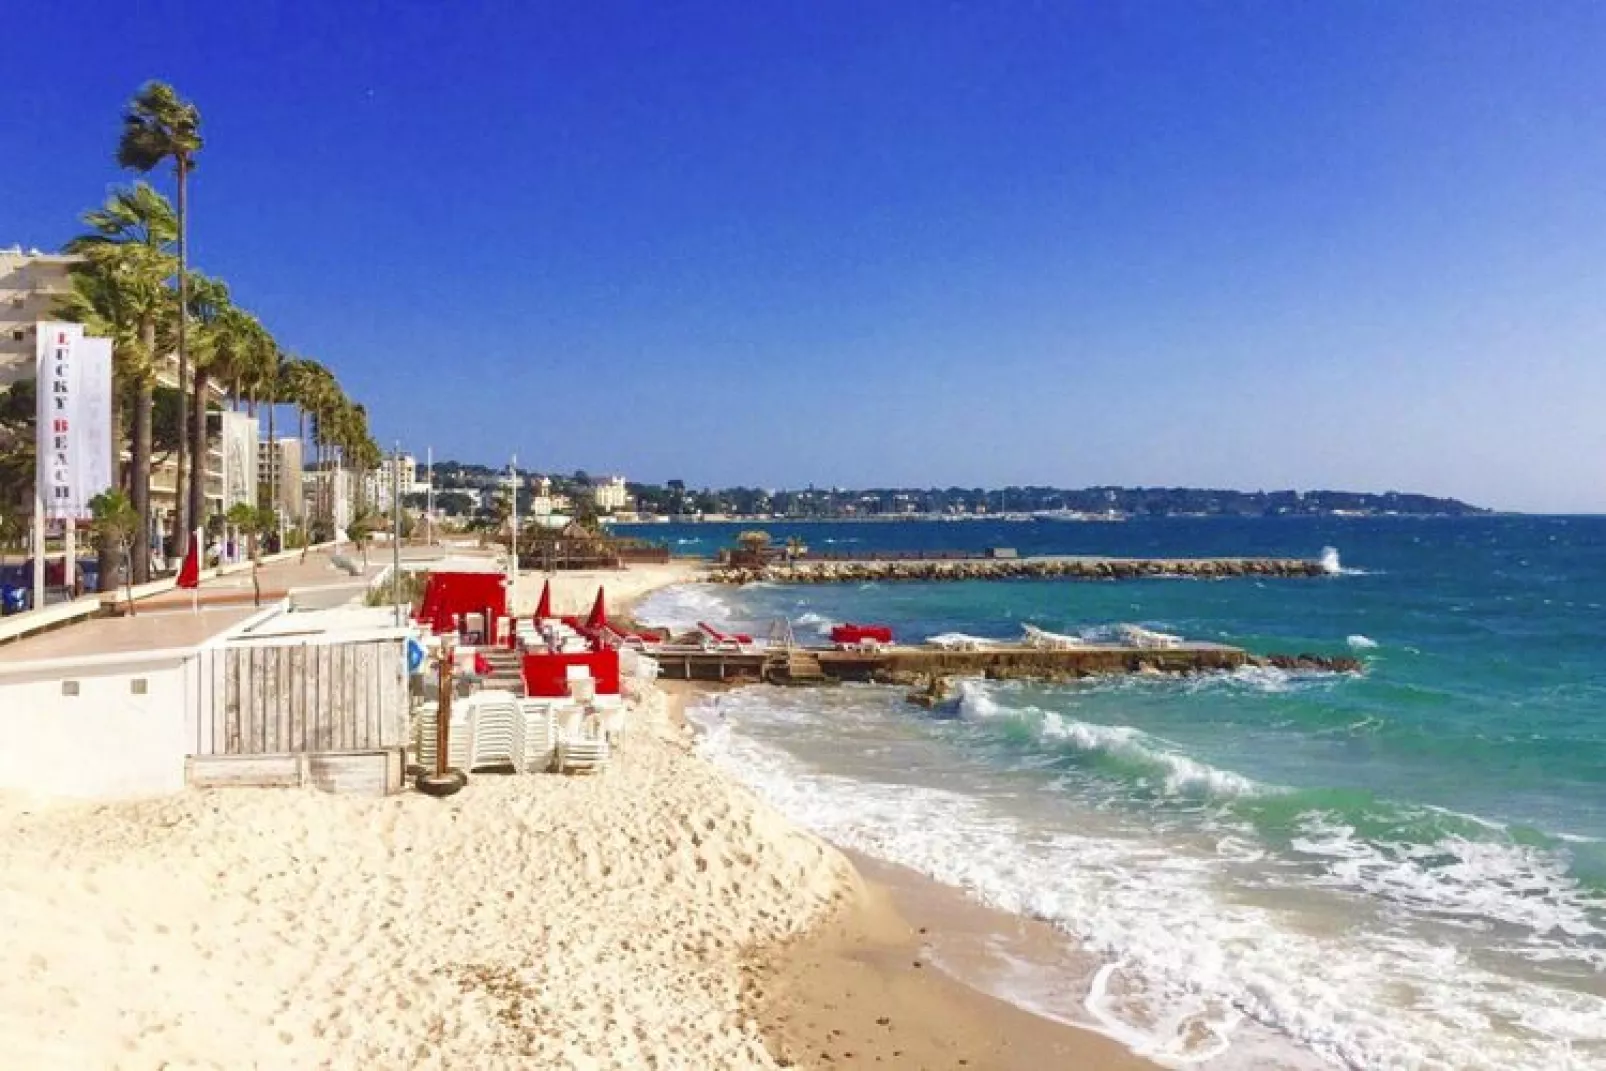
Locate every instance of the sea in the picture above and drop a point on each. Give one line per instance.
(1401, 868)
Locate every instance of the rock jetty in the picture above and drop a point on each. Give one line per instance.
(848, 572)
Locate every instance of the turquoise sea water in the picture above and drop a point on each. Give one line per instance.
(1405, 868)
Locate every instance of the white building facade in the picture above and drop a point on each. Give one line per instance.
(611, 495)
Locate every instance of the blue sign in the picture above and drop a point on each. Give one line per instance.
(415, 655)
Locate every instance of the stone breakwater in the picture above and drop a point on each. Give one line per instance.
(844, 572)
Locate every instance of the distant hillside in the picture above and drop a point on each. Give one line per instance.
(1163, 501)
(675, 498)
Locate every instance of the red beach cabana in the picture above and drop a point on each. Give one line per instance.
(448, 597)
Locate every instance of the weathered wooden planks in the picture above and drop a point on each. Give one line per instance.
(299, 697)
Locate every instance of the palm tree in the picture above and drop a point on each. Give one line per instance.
(271, 388)
(227, 342)
(120, 292)
(159, 125)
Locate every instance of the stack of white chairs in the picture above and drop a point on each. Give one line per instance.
(536, 743)
(495, 719)
(459, 748)
(581, 745)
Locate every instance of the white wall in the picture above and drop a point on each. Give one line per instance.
(106, 741)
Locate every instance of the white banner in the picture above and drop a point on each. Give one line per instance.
(239, 439)
(74, 434)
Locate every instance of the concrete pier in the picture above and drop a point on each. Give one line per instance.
(901, 665)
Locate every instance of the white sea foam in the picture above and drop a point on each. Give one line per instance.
(1167, 769)
(1358, 642)
(1188, 959)
(1332, 566)
(818, 622)
(683, 605)
(1457, 878)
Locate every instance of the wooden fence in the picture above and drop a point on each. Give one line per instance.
(302, 695)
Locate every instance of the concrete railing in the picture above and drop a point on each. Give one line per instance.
(30, 622)
(17, 626)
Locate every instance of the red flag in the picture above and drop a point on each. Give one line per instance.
(543, 609)
(189, 574)
(599, 612)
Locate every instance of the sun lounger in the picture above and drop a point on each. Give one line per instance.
(739, 642)
(1138, 636)
(959, 641)
(1050, 641)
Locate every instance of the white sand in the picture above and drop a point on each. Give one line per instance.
(534, 921)
(573, 591)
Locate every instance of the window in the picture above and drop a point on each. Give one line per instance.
(69, 687)
(18, 335)
(138, 686)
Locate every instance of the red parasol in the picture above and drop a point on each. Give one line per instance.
(543, 609)
(599, 612)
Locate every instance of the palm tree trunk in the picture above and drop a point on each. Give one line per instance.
(139, 462)
(273, 466)
(181, 518)
(106, 554)
(140, 491)
(197, 510)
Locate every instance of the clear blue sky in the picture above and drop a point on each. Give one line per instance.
(1266, 245)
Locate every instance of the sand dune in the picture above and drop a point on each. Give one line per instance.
(529, 921)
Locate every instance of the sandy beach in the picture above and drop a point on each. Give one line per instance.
(656, 915)
(573, 591)
(534, 921)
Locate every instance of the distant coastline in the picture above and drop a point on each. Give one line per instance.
(1012, 518)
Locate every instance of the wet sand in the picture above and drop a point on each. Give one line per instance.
(871, 985)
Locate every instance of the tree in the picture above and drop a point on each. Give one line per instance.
(120, 292)
(159, 125)
(252, 522)
(221, 337)
(364, 522)
(17, 442)
(115, 523)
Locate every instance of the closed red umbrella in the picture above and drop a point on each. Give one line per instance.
(189, 574)
(599, 612)
(543, 608)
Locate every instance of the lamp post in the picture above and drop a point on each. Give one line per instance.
(395, 532)
(513, 556)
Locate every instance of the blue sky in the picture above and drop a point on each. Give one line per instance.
(1262, 245)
